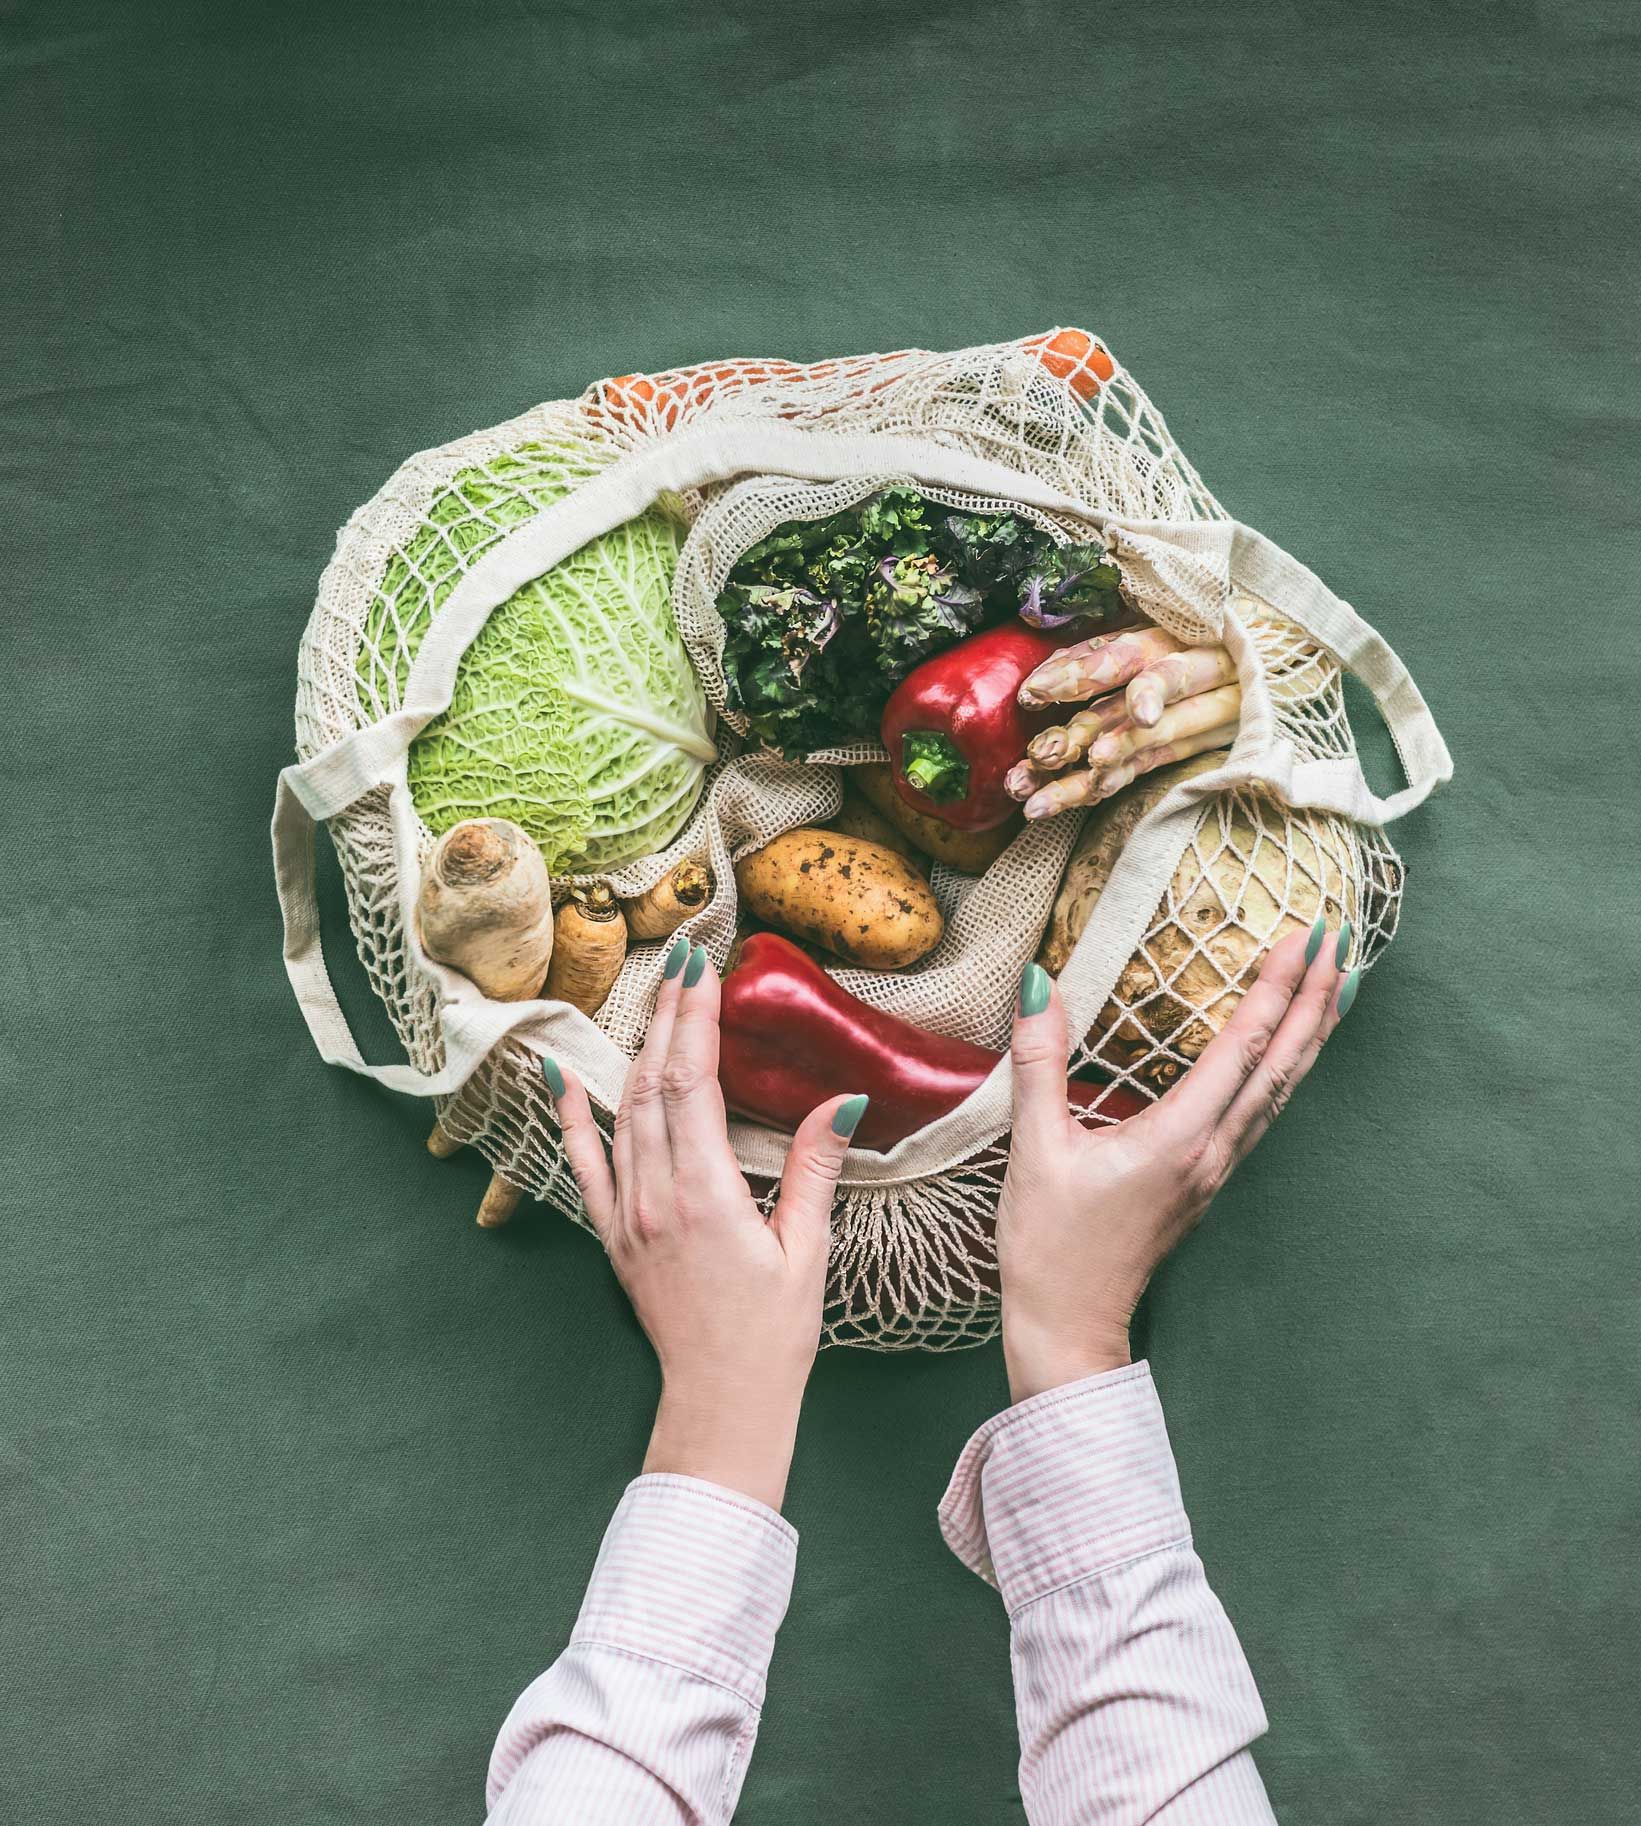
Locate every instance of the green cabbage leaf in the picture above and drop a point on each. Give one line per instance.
(576, 711)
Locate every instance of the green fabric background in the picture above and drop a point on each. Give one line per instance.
(300, 1475)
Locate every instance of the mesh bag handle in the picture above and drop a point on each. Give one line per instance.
(1194, 562)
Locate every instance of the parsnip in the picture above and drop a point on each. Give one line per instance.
(589, 948)
(485, 907)
(660, 910)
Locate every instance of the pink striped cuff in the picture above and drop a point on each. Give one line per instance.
(1067, 1484)
(693, 1575)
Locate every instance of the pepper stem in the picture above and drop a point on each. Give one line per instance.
(932, 762)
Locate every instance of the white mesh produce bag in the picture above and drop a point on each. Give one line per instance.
(1203, 867)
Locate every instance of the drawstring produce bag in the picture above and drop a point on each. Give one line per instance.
(1155, 909)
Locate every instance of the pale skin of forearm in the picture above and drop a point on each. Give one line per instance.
(732, 1303)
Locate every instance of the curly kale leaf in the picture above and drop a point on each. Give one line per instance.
(991, 552)
(1071, 583)
(915, 606)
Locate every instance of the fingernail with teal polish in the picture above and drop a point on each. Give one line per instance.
(697, 966)
(675, 960)
(1347, 994)
(1343, 950)
(1314, 943)
(554, 1077)
(1033, 990)
(846, 1118)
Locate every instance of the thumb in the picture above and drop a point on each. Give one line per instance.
(1038, 1049)
(803, 1214)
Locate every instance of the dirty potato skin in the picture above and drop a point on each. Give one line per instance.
(854, 898)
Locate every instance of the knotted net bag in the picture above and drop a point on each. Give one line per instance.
(1201, 873)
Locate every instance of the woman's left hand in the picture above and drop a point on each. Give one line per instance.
(730, 1300)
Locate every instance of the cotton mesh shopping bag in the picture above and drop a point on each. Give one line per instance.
(1200, 870)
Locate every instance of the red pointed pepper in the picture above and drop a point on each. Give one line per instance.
(954, 726)
(792, 1037)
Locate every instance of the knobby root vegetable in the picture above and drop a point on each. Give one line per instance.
(660, 910)
(858, 817)
(1238, 890)
(589, 948)
(859, 900)
(969, 852)
(1095, 666)
(485, 907)
(1120, 756)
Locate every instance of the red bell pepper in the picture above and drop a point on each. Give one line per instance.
(792, 1037)
(954, 726)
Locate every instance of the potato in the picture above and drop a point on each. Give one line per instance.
(858, 817)
(1234, 895)
(969, 852)
(856, 899)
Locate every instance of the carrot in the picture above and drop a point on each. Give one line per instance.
(660, 402)
(589, 948)
(1073, 355)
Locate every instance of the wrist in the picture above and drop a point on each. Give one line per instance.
(1037, 1362)
(741, 1443)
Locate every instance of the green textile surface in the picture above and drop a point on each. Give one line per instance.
(300, 1474)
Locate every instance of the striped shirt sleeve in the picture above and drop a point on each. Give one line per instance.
(649, 1716)
(1135, 1702)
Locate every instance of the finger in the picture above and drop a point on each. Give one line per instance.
(641, 1123)
(1312, 1016)
(1198, 1102)
(583, 1146)
(802, 1218)
(1187, 674)
(1095, 666)
(697, 1124)
(1038, 1050)
(1109, 780)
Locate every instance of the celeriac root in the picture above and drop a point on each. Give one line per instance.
(660, 910)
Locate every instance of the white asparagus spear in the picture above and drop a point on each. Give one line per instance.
(1093, 667)
(1178, 727)
(1179, 675)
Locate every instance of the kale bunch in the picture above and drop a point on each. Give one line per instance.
(823, 618)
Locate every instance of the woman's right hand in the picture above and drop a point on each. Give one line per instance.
(1087, 1215)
